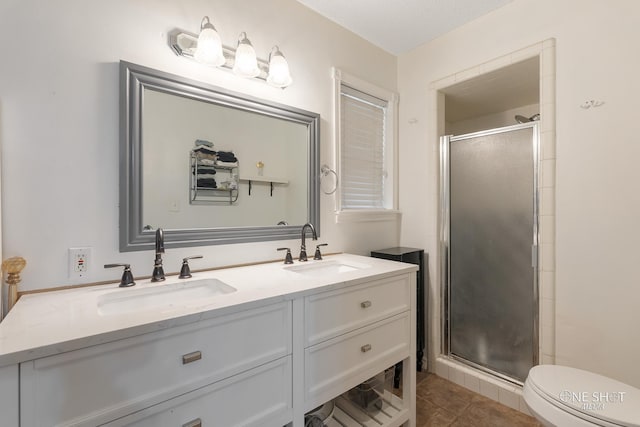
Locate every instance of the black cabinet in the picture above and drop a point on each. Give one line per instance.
(418, 257)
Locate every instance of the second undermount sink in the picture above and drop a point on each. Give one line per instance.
(325, 268)
(162, 297)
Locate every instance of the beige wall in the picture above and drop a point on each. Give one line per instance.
(59, 108)
(597, 200)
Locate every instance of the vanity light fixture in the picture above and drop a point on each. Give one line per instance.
(246, 62)
(279, 75)
(208, 49)
(209, 46)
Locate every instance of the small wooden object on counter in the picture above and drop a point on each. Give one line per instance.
(13, 266)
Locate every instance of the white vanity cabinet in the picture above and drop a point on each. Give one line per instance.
(352, 334)
(103, 383)
(260, 357)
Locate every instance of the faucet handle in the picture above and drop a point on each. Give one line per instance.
(288, 259)
(127, 276)
(318, 255)
(185, 271)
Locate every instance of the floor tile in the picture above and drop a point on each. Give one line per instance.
(441, 403)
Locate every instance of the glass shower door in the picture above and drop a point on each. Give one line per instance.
(491, 242)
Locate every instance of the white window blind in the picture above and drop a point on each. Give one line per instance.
(362, 148)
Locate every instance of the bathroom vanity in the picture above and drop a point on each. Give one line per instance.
(250, 346)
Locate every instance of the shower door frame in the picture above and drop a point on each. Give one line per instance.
(445, 222)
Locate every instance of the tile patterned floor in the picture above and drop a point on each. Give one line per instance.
(441, 403)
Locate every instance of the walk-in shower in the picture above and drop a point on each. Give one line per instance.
(489, 237)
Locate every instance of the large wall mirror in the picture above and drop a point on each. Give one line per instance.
(210, 166)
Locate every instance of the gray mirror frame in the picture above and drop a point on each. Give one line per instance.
(133, 80)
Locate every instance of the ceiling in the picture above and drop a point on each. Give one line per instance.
(398, 26)
(509, 87)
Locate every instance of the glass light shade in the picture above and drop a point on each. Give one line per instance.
(209, 50)
(279, 75)
(246, 63)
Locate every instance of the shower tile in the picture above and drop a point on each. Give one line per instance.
(496, 64)
(548, 63)
(549, 43)
(548, 359)
(547, 117)
(548, 173)
(548, 255)
(547, 339)
(509, 398)
(490, 390)
(523, 407)
(547, 202)
(547, 312)
(526, 53)
(443, 82)
(456, 375)
(548, 88)
(547, 285)
(472, 382)
(548, 145)
(547, 229)
(467, 74)
(442, 370)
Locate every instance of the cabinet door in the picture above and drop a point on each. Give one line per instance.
(259, 397)
(98, 384)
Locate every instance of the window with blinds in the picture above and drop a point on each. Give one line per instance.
(362, 149)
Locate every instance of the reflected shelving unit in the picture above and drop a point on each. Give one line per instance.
(208, 194)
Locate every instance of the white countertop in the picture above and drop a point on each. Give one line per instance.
(49, 323)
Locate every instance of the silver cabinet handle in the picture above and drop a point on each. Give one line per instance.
(191, 357)
(195, 423)
(365, 304)
(365, 348)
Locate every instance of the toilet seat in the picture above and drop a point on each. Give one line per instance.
(569, 396)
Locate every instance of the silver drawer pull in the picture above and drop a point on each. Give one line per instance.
(365, 304)
(188, 358)
(195, 423)
(365, 348)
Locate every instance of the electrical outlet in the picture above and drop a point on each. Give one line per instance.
(79, 259)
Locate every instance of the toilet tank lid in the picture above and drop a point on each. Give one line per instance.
(591, 394)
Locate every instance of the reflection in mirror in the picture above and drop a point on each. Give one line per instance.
(210, 166)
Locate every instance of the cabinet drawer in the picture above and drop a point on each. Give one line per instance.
(104, 382)
(258, 397)
(336, 365)
(332, 313)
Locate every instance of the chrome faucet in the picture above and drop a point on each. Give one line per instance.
(158, 271)
(303, 247)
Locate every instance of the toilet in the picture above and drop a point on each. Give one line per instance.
(568, 397)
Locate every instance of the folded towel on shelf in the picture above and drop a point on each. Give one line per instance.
(205, 170)
(207, 162)
(204, 142)
(228, 164)
(227, 156)
(206, 176)
(207, 183)
(205, 153)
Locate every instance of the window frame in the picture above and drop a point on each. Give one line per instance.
(390, 197)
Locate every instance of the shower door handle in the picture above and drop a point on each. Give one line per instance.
(534, 256)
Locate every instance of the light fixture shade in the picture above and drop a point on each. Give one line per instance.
(279, 75)
(209, 50)
(246, 63)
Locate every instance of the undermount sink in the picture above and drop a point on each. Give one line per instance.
(324, 268)
(162, 297)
